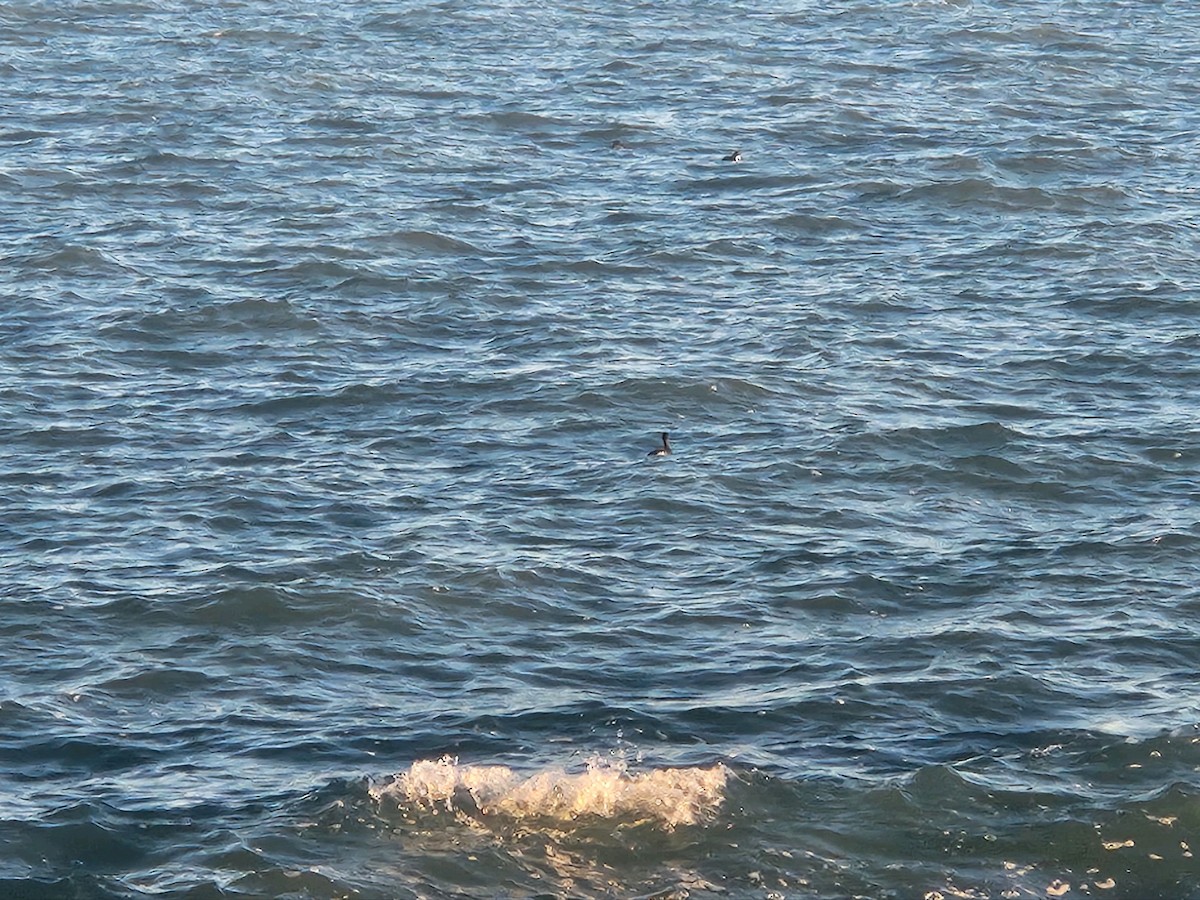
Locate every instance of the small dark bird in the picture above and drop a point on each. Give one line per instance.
(619, 145)
(735, 156)
(664, 450)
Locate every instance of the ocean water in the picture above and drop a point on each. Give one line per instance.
(333, 340)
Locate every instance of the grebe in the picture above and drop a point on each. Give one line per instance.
(735, 156)
(664, 450)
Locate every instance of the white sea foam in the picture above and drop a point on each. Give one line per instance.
(606, 790)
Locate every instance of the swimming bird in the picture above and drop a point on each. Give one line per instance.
(664, 450)
(735, 156)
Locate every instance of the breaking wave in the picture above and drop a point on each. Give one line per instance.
(666, 798)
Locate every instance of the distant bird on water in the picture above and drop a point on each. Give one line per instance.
(664, 450)
(735, 156)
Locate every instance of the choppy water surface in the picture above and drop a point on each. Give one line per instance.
(333, 339)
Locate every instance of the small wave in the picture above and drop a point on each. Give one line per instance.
(431, 242)
(725, 247)
(186, 323)
(255, 605)
(23, 135)
(966, 191)
(343, 123)
(272, 37)
(75, 259)
(970, 440)
(667, 798)
(519, 120)
(808, 224)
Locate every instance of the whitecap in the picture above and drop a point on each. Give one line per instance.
(666, 798)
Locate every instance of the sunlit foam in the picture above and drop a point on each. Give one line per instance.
(605, 790)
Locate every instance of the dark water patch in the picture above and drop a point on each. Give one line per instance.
(992, 468)
(352, 124)
(74, 437)
(813, 224)
(429, 242)
(219, 319)
(114, 489)
(983, 192)
(260, 607)
(63, 755)
(50, 888)
(72, 260)
(520, 120)
(155, 682)
(956, 441)
(355, 396)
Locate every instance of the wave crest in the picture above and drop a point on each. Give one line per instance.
(667, 798)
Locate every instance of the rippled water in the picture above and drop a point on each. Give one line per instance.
(333, 338)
